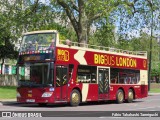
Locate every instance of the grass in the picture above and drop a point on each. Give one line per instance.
(7, 92)
(155, 90)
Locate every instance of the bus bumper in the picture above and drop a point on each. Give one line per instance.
(35, 100)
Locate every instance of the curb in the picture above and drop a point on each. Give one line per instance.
(153, 93)
(7, 101)
(1, 104)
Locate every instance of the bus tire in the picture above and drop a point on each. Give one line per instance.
(75, 98)
(120, 96)
(130, 96)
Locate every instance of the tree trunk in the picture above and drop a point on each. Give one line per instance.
(82, 35)
(2, 66)
(82, 23)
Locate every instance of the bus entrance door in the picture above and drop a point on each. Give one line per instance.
(61, 80)
(103, 83)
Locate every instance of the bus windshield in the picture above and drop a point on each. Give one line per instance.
(35, 75)
(38, 41)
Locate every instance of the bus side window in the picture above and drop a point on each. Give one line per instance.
(71, 66)
(86, 74)
(93, 78)
(114, 80)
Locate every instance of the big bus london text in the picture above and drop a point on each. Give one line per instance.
(55, 72)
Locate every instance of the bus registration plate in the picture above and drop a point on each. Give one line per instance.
(30, 100)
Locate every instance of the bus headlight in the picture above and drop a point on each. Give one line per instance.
(18, 94)
(47, 94)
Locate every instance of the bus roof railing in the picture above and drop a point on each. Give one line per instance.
(111, 49)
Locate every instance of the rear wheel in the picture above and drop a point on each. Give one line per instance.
(120, 96)
(130, 96)
(75, 98)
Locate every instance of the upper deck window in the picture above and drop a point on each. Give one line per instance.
(38, 41)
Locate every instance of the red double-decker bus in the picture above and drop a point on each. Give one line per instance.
(59, 72)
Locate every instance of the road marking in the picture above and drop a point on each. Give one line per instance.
(152, 100)
(132, 105)
(152, 110)
(144, 108)
(111, 117)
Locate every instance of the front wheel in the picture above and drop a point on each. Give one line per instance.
(75, 98)
(120, 96)
(130, 96)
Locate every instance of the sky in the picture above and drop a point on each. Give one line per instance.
(43, 1)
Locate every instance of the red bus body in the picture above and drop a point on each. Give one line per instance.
(101, 61)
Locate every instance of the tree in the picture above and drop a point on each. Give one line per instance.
(104, 35)
(135, 16)
(6, 48)
(82, 14)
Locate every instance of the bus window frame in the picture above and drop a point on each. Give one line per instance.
(90, 73)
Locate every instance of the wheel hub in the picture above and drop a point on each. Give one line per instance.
(75, 98)
(120, 96)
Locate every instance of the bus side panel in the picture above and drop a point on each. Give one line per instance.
(137, 90)
(92, 92)
(89, 92)
(113, 91)
(144, 90)
(114, 88)
(140, 91)
(73, 86)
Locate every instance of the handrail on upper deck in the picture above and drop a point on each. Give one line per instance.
(111, 49)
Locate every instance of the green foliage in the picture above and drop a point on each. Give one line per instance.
(7, 92)
(22, 16)
(104, 36)
(6, 48)
(155, 90)
(83, 14)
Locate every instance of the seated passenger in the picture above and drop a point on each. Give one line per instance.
(30, 46)
(51, 47)
(36, 45)
(115, 80)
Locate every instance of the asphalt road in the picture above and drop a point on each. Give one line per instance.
(95, 110)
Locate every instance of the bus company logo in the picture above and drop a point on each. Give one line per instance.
(62, 55)
(144, 63)
(112, 60)
(20, 114)
(6, 114)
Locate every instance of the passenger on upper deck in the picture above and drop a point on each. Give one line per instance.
(30, 46)
(36, 45)
(52, 45)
